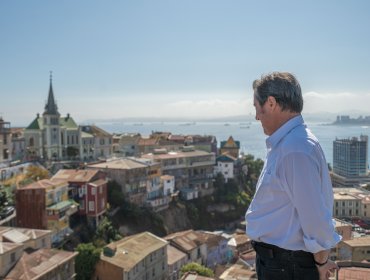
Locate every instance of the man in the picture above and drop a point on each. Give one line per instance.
(290, 216)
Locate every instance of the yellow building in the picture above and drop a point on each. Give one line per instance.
(140, 256)
(356, 250)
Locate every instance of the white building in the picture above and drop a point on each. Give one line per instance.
(225, 166)
(52, 137)
(168, 183)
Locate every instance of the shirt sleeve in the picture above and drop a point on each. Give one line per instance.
(312, 197)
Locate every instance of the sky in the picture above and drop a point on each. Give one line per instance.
(189, 58)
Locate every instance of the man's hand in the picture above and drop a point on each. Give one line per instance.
(327, 269)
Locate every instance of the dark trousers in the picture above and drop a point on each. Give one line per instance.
(275, 263)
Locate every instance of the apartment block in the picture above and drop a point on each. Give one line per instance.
(18, 144)
(175, 260)
(31, 238)
(218, 251)
(350, 162)
(349, 202)
(140, 256)
(5, 141)
(89, 189)
(140, 180)
(191, 243)
(126, 144)
(45, 205)
(14, 242)
(350, 156)
(102, 146)
(225, 166)
(356, 250)
(44, 264)
(192, 169)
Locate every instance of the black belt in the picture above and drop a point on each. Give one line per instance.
(271, 251)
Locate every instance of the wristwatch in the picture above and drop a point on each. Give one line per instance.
(321, 264)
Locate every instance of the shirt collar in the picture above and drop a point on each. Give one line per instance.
(275, 138)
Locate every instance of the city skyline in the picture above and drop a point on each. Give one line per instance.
(179, 59)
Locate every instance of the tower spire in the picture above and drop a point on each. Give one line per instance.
(51, 107)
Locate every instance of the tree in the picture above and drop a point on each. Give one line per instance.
(36, 173)
(115, 195)
(248, 181)
(106, 232)
(88, 256)
(199, 269)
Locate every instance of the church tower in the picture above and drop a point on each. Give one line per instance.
(51, 124)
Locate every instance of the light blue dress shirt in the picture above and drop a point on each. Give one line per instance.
(293, 202)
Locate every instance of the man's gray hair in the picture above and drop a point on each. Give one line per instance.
(283, 86)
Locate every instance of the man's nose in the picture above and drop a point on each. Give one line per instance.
(257, 118)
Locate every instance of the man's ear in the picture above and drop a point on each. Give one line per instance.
(271, 102)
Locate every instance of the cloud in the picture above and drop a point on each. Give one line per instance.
(176, 105)
(210, 108)
(335, 102)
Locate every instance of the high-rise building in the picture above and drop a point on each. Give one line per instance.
(350, 156)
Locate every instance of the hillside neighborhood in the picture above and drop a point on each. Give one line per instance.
(77, 202)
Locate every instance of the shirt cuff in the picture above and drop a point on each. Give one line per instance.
(313, 246)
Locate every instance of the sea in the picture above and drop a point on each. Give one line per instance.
(250, 134)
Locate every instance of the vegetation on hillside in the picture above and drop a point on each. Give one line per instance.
(88, 256)
(138, 218)
(236, 193)
(197, 268)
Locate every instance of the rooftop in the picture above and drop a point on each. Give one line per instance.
(358, 242)
(133, 249)
(122, 163)
(44, 184)
(8, 246)
(238, 272)
(73, 175)
(18, 235)
(174, 255)
(177, 155)
(38, 263)
(185, 240)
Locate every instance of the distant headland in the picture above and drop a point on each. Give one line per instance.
(347, 120)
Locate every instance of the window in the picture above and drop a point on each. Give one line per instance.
(82, 204)
(93, 191)
(12, 257)
(343, 203)
(91, 206)
(101, 189)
